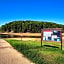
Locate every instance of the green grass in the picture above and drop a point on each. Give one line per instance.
(49, 53)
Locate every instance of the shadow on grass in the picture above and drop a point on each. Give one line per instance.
(51, 46)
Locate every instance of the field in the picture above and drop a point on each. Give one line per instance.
(49, 53)
(26, 36)
(23, 36)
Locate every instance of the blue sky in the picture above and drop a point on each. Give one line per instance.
(41, 10)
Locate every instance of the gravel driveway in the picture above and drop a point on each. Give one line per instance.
(8, 55)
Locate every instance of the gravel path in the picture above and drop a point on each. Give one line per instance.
(8, 55)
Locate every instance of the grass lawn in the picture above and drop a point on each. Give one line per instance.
(49, 53)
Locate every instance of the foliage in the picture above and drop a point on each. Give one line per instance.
(28, 26)
(49, 53)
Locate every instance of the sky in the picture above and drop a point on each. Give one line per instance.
(38, 10)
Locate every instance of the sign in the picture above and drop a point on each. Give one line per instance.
(51, 34)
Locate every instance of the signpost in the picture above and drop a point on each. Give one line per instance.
(51, 34)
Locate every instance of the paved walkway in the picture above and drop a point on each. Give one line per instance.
(8, 55)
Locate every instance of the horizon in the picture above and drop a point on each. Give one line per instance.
(40, 10)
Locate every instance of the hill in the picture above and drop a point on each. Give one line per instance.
(28, 26)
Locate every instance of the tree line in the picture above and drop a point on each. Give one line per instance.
(29, 26)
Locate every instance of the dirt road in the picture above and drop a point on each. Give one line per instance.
(8, 55)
